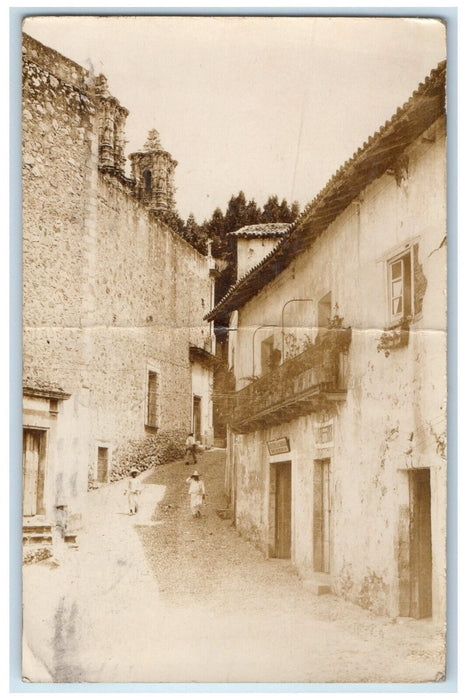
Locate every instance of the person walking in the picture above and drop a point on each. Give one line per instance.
(190, 449)
(197, 494)
(133, 491)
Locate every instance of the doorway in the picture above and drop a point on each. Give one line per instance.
(420, 562)
(324, 313)
(102, 464)
(197, 418)
(34, 463)
(283, 510)
(321, 517)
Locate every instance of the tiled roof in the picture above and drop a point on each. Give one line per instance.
(260, 231)
(378, 154)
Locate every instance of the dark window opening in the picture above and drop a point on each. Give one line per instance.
(147, 181)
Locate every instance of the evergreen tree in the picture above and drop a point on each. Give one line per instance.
(195, 235)
(294, 210)
(252, 213)
(175, 221)
(215, 230)
(236, 213)
(284, 212)
(271, 211)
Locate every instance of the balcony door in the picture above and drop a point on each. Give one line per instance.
(283, 510)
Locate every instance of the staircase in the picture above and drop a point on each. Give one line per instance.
(40, 536)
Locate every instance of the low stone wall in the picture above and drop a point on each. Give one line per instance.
(148, 452)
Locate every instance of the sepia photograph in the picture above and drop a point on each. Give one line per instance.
(234, 241)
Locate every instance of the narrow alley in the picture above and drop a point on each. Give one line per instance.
(164, 597)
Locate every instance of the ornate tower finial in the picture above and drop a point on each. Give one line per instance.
(153, 141)
(111, 118)
(153, 171)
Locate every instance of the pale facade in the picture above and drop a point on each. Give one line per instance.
(337, 443)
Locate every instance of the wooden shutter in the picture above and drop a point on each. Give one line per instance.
(31, 455)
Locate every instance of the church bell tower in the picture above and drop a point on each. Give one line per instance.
(153, 172)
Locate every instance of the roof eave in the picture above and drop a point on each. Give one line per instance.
(369, 163)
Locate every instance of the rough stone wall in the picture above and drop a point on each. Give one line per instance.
(394, 416)
(58, 122)
(147, 288)
(110, 292)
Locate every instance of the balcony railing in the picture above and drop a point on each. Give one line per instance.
(303, 384)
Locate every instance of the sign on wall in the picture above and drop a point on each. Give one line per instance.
(279, 446)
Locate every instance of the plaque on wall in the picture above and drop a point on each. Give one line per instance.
(279, 446)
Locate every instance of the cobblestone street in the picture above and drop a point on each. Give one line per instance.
(164, 597)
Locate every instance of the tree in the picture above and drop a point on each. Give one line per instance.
(236, 213)
(195, 235)
(294, 210)
(271, 211)
(284, 212)
(215, 231)
(174, 221)
(252, 213)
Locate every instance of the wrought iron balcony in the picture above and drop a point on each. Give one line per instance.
(306, 383)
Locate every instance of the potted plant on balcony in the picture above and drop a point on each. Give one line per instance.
(396, 337)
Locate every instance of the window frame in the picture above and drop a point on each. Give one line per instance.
(407, 312)
(107, 445)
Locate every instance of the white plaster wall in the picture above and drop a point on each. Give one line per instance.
(388, 399)
(201, 380)
(250, 251)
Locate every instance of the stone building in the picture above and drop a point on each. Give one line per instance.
(115, 346)
(337, 450)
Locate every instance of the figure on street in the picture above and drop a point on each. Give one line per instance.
(133, 490)
(197, 494)
(190, 450)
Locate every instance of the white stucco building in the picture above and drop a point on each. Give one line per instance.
(337, 438)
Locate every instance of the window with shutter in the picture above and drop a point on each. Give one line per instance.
(400, 287)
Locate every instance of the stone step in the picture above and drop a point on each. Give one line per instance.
(37, 538)
(36, 529)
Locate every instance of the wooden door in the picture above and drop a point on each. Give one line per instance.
(102, 464)
(197, 418)
(283, 519)
(420, 544)
(321, 517)
(33, 472)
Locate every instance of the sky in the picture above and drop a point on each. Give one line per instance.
(264, 105)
